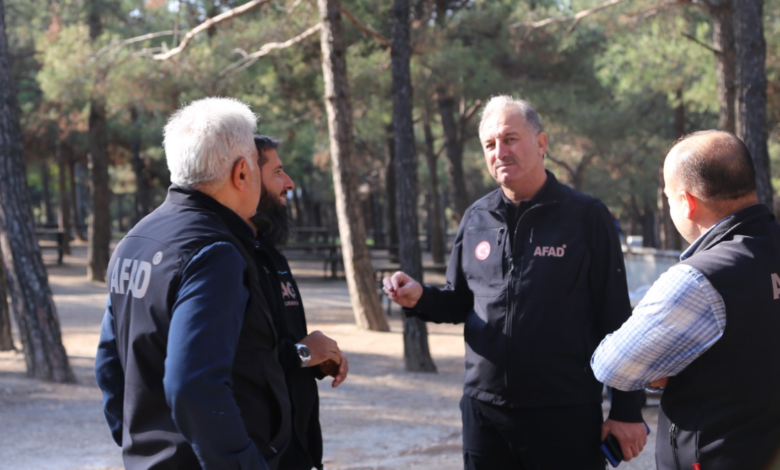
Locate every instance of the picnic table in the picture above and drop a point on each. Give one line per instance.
(51, 234)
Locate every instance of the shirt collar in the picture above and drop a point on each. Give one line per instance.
(691, 249)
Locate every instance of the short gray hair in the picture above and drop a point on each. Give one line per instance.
(501, 102)
(205, 138)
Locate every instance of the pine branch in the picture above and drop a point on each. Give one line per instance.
(228, 15)
(367, 31)
(248, 59)
(702, 44)
(562, 19)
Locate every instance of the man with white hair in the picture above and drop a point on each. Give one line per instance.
(187, 354)
(537, 277)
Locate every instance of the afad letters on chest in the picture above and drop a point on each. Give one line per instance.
(131, 276)
(554, 251)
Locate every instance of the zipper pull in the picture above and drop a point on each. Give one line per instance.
(498, 237)
(672, 437)
(532, 236)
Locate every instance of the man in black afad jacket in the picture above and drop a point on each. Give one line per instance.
(299, 351)
(708, 329)
(537, 276)
(187, 359)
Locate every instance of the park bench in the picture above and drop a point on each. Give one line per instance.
(51, 239)
(329, 253)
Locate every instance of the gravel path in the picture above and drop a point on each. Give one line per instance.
(380, 418)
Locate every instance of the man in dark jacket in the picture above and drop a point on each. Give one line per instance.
(707, 329)
(187, 359)
(537, 276)
(298, 350)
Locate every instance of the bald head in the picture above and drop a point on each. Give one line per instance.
(714, 166)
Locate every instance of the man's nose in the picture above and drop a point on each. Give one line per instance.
(289, 184)
(502, 150)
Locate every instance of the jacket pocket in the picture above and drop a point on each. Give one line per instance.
(483, 260)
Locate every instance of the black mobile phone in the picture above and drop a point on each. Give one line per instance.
(611, 448)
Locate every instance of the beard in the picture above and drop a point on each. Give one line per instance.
(271, 219)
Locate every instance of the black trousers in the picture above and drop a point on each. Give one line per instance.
(502, 438)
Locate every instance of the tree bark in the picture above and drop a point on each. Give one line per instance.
(751, 90)
(6, 338)
(390, 182)
(31, 297)
(417, 356)
(99, 231)
(141, 182)
(725, 63)
(437, 219)
(63, 218)
(75, 191)
(454, 154)
(48, 213)
(357, 262)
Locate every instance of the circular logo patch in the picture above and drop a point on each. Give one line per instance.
(157, 258)
(482, 251)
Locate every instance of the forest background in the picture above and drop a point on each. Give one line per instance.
(615, 83)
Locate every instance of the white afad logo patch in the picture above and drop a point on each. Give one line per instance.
(776, 285)
(482, 251)
(131, 276)
(556, 251)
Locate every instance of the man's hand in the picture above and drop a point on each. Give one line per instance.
(337, 371)
(402, 289)
(321, 348)
(631, 436)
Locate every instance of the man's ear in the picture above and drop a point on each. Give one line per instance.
(691, 204)
(541, 143)
(240, 174)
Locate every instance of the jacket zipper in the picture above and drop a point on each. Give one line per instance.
(673, 443)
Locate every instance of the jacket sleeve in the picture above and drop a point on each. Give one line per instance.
(452, 303)
(609, 291)
(110, 375)
(206, 322)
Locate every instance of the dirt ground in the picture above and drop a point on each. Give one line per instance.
(380, 418)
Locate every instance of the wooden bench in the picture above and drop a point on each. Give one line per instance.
(47, 234)
(329, 253)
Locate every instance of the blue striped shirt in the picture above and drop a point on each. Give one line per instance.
(679, 319)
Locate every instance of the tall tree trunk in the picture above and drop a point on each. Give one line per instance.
(48, 213)
(751, 90)
(437, 220)
(6, 338)
(670, 237)
(454, 154)
(725, 63)
(75, 190)
(390, 181)
(417, 356)
(141, 182)
(63, 217)
(99, 231)
(31, 297)
(357, 262)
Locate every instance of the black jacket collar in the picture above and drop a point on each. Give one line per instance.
(551, 192)
(193, 198)
(738, 220)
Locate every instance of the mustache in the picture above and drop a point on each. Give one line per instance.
(504, 161)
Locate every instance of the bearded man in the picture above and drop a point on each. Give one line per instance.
(299, 351)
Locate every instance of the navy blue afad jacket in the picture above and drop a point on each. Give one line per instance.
(534, 315)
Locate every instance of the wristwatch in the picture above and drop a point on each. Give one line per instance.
(304, 354)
